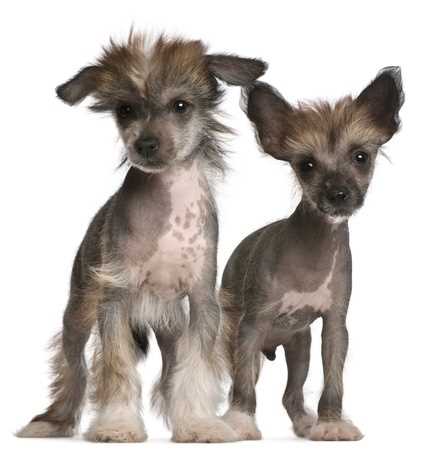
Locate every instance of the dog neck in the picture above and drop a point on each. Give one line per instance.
(315, 230)
(178, 178)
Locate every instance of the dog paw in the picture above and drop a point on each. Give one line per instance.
(243, 424)
(115, 434)
(116, 428)
(303, 424)
(44, 429)
(338, 430)
(212, 430)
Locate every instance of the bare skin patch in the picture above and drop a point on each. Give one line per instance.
(171, 258)
(319, 300)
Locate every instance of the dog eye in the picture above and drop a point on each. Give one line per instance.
(180, 106)
(361, 157)
(307, 165)
(124, 111)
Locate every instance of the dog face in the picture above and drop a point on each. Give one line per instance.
(332, 148)
(163, 95)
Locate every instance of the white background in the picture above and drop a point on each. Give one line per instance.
(58, 166)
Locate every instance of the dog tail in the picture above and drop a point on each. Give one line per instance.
(231, 315)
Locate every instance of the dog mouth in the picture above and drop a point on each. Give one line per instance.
(335, 214)
(148, 165)
(339, 210)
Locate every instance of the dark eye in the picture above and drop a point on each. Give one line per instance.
(180, 106)
(124, 111)
(307, 165)
(360, 157)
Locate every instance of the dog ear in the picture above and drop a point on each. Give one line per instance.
(235, 70)
(383, 98)
(80, 86)
(270, 113)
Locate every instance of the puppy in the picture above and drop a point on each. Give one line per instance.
(148, 259)
(287, 274)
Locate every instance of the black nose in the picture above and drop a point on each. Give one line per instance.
(338, 194)
(147, 146)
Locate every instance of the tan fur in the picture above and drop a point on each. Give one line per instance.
(312, 127)
(147, 62)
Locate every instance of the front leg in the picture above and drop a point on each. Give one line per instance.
(116, 383)
(331, 426)
(195, 381)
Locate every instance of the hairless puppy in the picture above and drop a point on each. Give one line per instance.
(287, 274)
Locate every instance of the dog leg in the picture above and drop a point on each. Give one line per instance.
(196, 374)
(186, 389)
(68, 364)
(330, 425)
(117, 389)
(247, 364)
(297, 355)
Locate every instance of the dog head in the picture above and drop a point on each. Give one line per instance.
(331, 148)
(163, 94)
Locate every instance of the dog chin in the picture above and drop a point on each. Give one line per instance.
(336, 219)
(149, 168)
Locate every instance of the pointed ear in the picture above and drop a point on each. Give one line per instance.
(235, 70)
(383, 98)
(270, 113)
(80, 86)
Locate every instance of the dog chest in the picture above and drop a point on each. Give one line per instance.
(180, 242)
(318, 300)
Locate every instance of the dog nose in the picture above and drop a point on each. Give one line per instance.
(338, 194)
(147, 146)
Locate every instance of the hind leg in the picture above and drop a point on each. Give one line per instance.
(68, 366)
(67, 390)
(117, 389)
(246, 370)
(297, 355)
